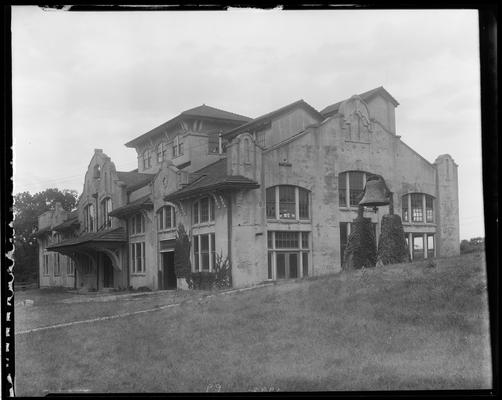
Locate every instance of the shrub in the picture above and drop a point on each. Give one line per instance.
(203, 280)
(223, 271)
(361, 249)
(392, 247)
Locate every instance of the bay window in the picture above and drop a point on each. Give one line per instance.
(418, 207)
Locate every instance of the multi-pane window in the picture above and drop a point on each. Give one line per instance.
(161, 152)
(203, 210)
(416, 206)
(214, 143)
(106, 208)
(204, 252)
(166, 218)
(288, 254)
(177, 147)
(350, 188)
(137, 224)
(57, 265)
(147, 159)
(430, 246)
(287, 202)
(417, 210)
(137, 257)
(260, 138)
(429, 208)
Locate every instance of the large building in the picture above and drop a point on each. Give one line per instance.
(275, 195)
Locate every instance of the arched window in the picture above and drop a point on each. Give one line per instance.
(97, 172)
(166, 218)
(417, 208)
(287, 202)
(106, 208)
(350, 187)
(147, 159)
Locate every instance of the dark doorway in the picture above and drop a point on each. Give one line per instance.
(168, 273)
(107, 272)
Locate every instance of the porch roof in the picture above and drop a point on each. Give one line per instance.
(115, 235)
(143, 203)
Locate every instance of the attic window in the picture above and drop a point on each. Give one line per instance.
(97, 172)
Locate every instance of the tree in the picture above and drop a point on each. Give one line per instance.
(26, 209)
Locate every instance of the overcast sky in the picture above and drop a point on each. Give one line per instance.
(97, 80)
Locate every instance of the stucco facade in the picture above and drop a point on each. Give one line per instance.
(275, 195)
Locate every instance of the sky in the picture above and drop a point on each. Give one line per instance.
(87, 80)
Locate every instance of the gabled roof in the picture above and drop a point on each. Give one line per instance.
(144, 202)
(212, 177)
(273, 114)
(134, 180)
(202, 111)
(115, 235)
(333, 109)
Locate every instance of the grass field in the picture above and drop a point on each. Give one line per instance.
(401, 327)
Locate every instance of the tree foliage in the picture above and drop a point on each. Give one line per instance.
(361, 249)
(27, 208)
(472, 245)
(392, 247)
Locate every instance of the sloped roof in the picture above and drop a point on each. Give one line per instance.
(211, 177)
(114, 235)
(134, 180)
(333, 108)
(69, 223)
(43, 230)
(274, 114)
(202, 111)
(144, 202)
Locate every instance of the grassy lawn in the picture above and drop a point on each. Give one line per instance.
(400, 327)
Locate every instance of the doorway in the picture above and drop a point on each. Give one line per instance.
(169, 280)
(287, 265)
(107, 272)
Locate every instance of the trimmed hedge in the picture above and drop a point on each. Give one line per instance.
(202, 280)
(361, 250)
(392, 247)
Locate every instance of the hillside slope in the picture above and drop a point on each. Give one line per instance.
(400, 327)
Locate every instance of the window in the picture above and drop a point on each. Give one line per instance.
(70, 267)
(271, 203)
(418, 246)
(161, 152)
(204, 252)
(350, 188)
(429, 208)
(287, 202)
(288, 254)
(147, 159)
(46, 264)
(89, 215)
(57, 265)
(213, 141)
(137, 257)
(137, 224)
(177, 147)
(203, 210)
(166, 218)
(421, 205)
(260, 138)
(106, 207)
